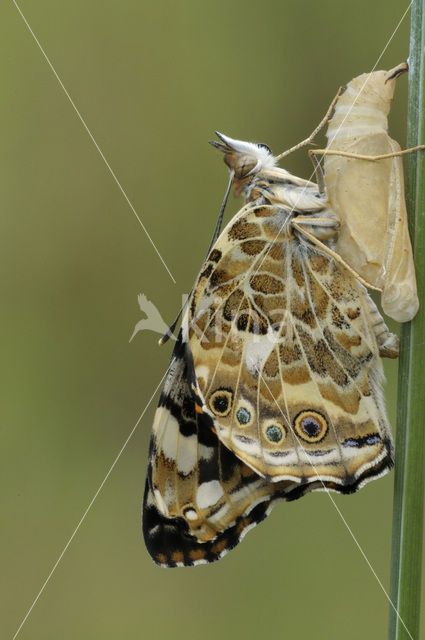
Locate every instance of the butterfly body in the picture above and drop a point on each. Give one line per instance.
(274, 388)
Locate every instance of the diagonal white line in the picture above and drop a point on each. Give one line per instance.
(368, 77)
(150, 400)
(45, 583)
(328, 493)
(111, 171)
(311, 463)
(392, 35)
(342, 122)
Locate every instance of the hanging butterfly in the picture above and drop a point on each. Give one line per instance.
(274, 386)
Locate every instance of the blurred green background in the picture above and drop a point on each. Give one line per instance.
(153, 81)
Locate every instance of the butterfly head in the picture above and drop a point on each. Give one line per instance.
(245, 159)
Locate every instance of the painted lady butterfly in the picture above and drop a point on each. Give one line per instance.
(274, 385)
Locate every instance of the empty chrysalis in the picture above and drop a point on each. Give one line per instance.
(368, 197)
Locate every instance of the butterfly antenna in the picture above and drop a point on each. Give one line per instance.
(221, 214)
(168, 334)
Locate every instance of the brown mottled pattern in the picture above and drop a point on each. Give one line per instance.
(277, 251)
(320, 358)
(253, 322)
(230, 358)
(200, 322)
(220, 276)
(215, 255)
(340, 289)
(353, 313)
(218, 547)
(338, 319)
(248, 383)
(364, 386)
(271, 367)
(392, 351)
(319, 263)
(197, 554)
(348, 400)
(177, 556)
(207, 271)
(289, 353)
(270, 390)
(263, 212)
(326, 359)
(348, 341)
(234, 304)
(265, 283)
(210, 338)
(223, 290)
(318, 296)
(273, 307)
(297, 271)
(301, 309)
(242, 230)
(352, 364)
(253, 247)
(296, 375)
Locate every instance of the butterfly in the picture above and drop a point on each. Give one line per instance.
(274, 385)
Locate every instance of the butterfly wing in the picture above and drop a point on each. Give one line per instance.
(274, 385)
(286, 357)
(200, 499)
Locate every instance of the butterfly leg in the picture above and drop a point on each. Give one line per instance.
(388, 342)
(314, 133)
(300, 222)
(357, 156)
(318, 170)
(318, 173)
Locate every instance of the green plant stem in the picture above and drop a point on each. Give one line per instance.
(409, 480)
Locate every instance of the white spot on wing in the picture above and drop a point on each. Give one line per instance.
(206, 453)
(258, 349)
(187, 453)
(208, 494)
(160, 503)
(191, 514)
(202, 371)
(169, 440)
